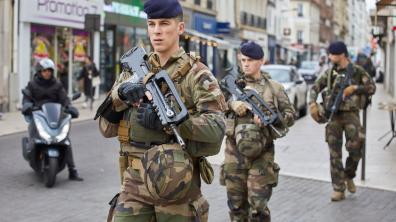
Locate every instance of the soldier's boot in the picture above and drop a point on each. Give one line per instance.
(73, 175)
(337, 196)
(260, 217)
(238, 217)
(350, 185)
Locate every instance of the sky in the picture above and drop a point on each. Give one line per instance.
(370, 4)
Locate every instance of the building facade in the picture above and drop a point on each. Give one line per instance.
(341, 19)
(305, 29)
(326, 28)
(251, 21)
(358, 27)
(5, 53)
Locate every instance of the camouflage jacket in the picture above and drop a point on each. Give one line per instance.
(324, 85)
(200, 92)
(273, 94)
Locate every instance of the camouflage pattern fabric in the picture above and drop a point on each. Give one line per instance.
(203, 131)
(348, 123)
(168, 173)
(249, 179)
(249, 182)
(345, 121)
(135, 202)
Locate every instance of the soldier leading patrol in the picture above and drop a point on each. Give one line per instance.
(249, 170)
(347, 119)
(162, 181)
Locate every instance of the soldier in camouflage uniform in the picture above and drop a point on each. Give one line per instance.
(345, 120)
(249, 170)
(173, 195)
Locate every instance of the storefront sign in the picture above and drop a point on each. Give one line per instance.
(259, 37)
(223, 27)
(205, 24)
(67, 13)
(125, 9)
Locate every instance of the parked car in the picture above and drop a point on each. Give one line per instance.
(309, 70)
(294, 84)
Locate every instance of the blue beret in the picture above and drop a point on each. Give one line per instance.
(252, 50)
(337, 48)
(162, 9)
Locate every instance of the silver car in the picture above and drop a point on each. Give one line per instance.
(294, 84)
(309, 70)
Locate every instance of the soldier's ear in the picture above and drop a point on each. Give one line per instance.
(181, 28)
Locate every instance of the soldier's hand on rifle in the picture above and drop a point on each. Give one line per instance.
(148, 118)
(314, 111)
(257, 120)
(132, 92)
(239, 107)
(348, 91)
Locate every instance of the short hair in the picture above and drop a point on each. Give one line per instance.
(179, 18)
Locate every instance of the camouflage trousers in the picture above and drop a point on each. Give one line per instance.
(135, 203)
(249, 183)
(348, 122)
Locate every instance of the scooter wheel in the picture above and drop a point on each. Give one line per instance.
(25, 154)
(50, 172)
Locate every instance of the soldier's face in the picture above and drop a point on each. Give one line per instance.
(336, 59)
(250, 66)
(164, 33)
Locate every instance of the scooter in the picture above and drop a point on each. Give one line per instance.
(48, 143)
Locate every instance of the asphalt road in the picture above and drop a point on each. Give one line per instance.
(24, 198)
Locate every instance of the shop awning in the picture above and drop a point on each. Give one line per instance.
(219, 43)
(385, 3)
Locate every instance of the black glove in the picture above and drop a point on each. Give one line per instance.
(27, 108)
(131, 92)
(73, 111)
(148, 118)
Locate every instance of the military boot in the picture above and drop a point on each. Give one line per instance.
(350, 185)
(73, 175)
(337, 196)
(238, 217)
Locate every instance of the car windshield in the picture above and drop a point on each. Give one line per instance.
(279, 75)
(308, 65)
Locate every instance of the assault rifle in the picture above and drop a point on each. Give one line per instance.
(337, 98)
(229, 83)
(169, 107)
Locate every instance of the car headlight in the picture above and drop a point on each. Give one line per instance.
(42, 131)
(62, 135)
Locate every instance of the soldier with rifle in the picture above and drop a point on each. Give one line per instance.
(345, 88)
(259, 112)
(167, 111)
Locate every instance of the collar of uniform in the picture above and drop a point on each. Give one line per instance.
(260, 79)
(171, 60)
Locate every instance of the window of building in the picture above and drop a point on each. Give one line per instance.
(244, 17)
(197, 2)
(209, 4)
(300, 36)
(300, 10)
(252, 18)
